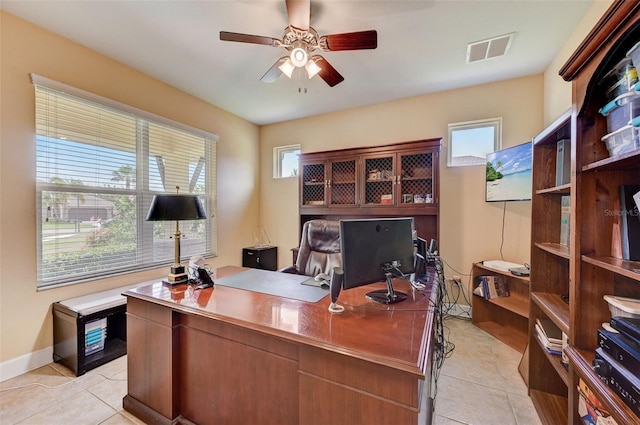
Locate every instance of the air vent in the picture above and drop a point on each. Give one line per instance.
(489, 48)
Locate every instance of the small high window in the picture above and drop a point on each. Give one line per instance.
(285, 161)
(470, 142)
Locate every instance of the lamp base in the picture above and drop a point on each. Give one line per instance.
(176, 278)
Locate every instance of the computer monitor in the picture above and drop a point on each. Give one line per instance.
(375, 250)
(421, 246)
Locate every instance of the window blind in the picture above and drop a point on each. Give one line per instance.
(98, 167)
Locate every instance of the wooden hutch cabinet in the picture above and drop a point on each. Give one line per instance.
(570, 278)
(399, 180)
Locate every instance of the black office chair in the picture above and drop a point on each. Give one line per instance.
(319, 250)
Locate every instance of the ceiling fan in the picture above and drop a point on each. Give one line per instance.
(301, 40)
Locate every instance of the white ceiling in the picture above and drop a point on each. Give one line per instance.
(421, 46)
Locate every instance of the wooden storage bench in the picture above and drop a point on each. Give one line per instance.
(70, 318)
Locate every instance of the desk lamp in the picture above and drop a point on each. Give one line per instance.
(168, 207)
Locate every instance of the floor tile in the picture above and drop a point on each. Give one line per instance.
(480, 358)
(523, 410)
(82, 409)
(120, 419)
(441, 420)
(35, 391)
(472, 403)
(111, 391)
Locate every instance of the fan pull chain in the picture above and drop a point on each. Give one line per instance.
(301, 89)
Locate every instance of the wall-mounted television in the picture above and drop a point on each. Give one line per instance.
(508, 176)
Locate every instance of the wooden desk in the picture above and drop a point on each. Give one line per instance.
(229, 356)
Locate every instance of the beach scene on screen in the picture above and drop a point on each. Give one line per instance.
(509, 174)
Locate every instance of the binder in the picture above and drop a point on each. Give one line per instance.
(563, 162)
(629, 223)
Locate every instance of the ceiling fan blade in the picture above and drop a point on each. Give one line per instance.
(248, 38)
(349, 41)
(272, 75)
(327, 72)
(299, 12)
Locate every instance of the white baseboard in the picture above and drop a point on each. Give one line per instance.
(458, 310)
(25, 363)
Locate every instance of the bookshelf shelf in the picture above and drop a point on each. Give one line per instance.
(554, 308)
(565, 189)
(556, 362)
(505, 318)
(554, 248)
(551, 408)
(624, 161)
(514, 304)
(616, 265)
(513, 337)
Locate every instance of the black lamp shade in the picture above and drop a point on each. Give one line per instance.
(176, 207)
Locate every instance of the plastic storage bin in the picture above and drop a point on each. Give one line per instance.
(620, 79)
(634, 55)
(625, 307)
(95, 333)
(622, 141)
(621, 110)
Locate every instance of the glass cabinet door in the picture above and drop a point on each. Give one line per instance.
(379, 178)
(313, 188)
(343, 188)
(415, 181)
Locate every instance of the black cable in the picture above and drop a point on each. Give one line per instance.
(453, 302)
(504, 212)
(443, 348)
(456, 271)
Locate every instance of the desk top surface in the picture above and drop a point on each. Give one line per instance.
(397, 335)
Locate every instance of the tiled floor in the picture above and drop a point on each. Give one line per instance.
(479, 384)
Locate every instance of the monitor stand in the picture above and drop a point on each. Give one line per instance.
(387, 296)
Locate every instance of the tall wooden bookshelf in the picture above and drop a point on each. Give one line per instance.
(568, 282)
(549, 279)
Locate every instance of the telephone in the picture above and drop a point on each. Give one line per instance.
(199, 272)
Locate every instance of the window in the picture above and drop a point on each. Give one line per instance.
(470, 142)
(99, 164)
(285, 161)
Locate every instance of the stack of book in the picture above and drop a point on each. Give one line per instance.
(549, 335)
(590, 409)
(492, 287)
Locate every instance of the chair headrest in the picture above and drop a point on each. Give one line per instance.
(323, 235)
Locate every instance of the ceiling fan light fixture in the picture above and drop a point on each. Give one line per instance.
(287, 68)
(312, 68)
(299, 57)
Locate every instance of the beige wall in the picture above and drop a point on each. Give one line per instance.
(25, 314)
(470, 228)
(557, 92)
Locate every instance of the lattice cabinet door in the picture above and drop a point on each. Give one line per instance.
(343, 186)
(314, 184)
(379, 180)
(416, 178)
